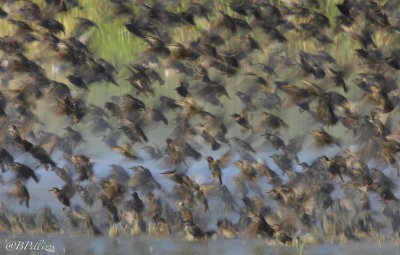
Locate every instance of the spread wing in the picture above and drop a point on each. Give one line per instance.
(224, 160)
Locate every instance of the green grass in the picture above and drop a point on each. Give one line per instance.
(299, 247)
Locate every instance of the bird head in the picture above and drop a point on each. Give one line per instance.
(54, 190)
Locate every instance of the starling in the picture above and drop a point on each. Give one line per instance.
(125, 150)
(275, 140)
(77, 81)
(6, 159)
(322, 138)
(242, 120)
(61, 196)
(154, 207)
(21, 192)
(331, 166)
(194, 232)
(113, 190)
(246, 169)
(272, 122)
(113, 214)
(182, 90)
(153, 151)
(93, 230)
(186, 214)
(143, 179)
(217, 165)
(227, 229)
(83, 166)
(24, 172)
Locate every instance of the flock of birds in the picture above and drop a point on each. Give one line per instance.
(249, 55)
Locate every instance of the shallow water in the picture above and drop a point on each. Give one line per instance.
(144, 245)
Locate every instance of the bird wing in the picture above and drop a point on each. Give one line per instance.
(224, 160)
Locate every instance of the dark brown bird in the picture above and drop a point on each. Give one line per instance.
(331, 166)
(113, 213)
(182, 90)
(6, 159)
(113, 190)
(246, 169)
(77, 81)
(40, 154)
(21, 192)
(322, 138)
(243, 120)
(143, 179)
(83, 166)
(125, 150)
(283, 161)
(155, 207)
(134, 132)
(153, 151)
(24, 172)
(61, 196)
(136, 205)
(272, 122)
(275, 140)
(52, 25)
(186, 214)
(93, 230)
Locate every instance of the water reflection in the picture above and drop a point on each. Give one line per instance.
(145, 245)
